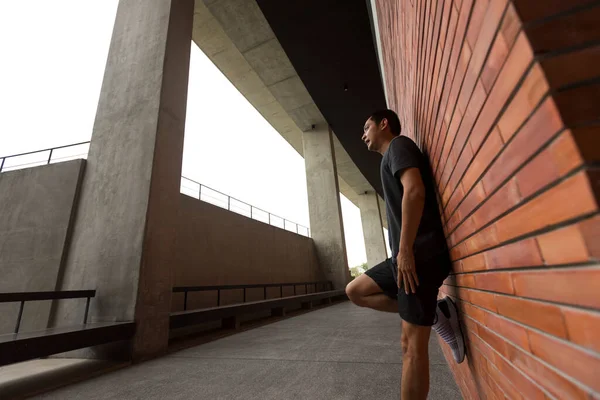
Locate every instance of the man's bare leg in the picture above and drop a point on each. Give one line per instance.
(415, 361)
(364, 292)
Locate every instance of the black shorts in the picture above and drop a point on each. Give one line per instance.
(417, 308)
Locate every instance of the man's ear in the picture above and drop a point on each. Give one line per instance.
(383, 124)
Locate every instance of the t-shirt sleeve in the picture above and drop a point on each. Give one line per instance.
(403, 155)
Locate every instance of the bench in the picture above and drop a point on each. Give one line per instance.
(229, 314)
(22, 346)
(322, 285)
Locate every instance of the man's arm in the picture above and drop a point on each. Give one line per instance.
(413, 202)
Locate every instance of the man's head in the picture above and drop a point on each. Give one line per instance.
(381, 127)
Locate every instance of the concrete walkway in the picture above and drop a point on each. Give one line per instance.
(337, 352)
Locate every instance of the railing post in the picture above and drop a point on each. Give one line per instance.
(269, 213)
(294, 290)
(19, 317)
(228, 203)
(244, 295)
(87, 309)
(218, 297)
(185, 300)
(199, 198)
(50, 156)
(2, 164)
(306, 288)
(251, 212)
(281, 291)
(265, 290)
(297, 228)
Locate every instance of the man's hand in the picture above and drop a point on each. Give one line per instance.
(407, 272)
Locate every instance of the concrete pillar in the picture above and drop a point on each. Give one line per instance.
(123, 238)
(370, 215)
(325, 210)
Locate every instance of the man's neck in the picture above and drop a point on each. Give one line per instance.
(386, 144)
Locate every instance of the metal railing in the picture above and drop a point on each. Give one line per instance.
(22, 297)
(204, 193)
(196, 190)
(323, 285)
(44, 157)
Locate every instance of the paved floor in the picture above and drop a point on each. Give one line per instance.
(337, 352)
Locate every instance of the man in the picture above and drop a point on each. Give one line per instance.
(408, 282)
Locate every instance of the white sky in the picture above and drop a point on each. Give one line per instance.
(53, 58)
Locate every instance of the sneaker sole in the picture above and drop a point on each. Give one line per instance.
(454, 322)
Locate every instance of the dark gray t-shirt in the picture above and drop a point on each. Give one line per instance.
(430, 242)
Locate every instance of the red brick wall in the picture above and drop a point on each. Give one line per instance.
(504, 98)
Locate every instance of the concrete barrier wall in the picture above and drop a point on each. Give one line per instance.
(218, 247)
(36, 211)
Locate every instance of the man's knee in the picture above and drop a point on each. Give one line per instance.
(354, 293)
(415, 341)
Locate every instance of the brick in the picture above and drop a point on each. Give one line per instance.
(473, 263)
(563, 246)
(511, 25)
(490, 149)
(472, 200)
(540, 128)
(516, 334)
(538, 173)
(569, 30)
(494, 63)
(482, 299)
(507, 197)
(527, 388)
(583, 327)
(515, 67)
(533, 89)
(484, 239)
(565, 154)
(590, 229)
(578, 364)
(543, 316)
(477, 18)
(574, 286)
(571, 67)
(474, 312)
(494, 281)
(471, 325)
(506, 386)
(556, 384)
(531, 11)
(524, 253)
(465, 280)
(579, 104)
(483, 42)
(573, 194)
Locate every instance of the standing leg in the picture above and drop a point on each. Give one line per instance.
(415, 361)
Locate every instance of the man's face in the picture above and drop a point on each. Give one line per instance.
(371, 135)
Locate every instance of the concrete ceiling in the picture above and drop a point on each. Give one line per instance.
(237, 38)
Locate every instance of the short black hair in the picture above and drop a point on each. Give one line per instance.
(392, 118)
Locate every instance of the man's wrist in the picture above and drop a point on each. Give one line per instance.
(404, 248)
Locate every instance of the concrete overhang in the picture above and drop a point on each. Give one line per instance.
(237, 38)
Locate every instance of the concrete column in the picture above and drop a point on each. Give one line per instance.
(123, 238)
(325, 210)
(370, 215)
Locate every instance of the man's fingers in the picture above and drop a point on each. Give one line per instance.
(413, 286)
(415, 278)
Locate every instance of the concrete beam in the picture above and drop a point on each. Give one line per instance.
(123, 238)
(324, 205)
(370, 215)
(237, 38)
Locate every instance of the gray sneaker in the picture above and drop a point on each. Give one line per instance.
(448, 327)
